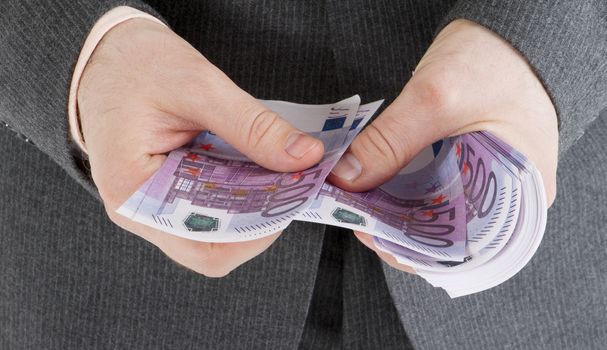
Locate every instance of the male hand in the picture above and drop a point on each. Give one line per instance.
(469, 80)
(145, 92)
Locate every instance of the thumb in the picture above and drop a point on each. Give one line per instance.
(387, 145)
(262, 135)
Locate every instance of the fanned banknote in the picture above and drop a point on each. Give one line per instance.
(209, 191)
(467, 213)
(506, 217)
(422, 210)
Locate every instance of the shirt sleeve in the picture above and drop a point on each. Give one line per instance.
(101, 27)
(566, 44)
(41, 42)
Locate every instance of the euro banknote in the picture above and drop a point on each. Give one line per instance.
(467, 208)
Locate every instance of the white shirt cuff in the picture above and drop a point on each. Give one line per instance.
(108, 21)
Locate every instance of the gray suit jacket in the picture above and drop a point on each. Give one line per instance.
(71, 279)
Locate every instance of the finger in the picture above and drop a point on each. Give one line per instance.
(367, 240)
(210, 100)
(213, 259)
(383, 148)
(209, 259)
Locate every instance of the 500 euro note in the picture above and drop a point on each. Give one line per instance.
(208, 191)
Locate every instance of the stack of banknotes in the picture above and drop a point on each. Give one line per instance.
(466, 214)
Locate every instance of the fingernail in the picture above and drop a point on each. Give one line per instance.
(299, 144)
(348, 167)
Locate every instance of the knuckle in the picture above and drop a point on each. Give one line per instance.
(199, 257)
(379, 144)
(212, 269)
(435, 93)
(208, 260)
(215, 271)
(262, 126)
(202, 251)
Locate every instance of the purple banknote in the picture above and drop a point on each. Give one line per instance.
(467, 213)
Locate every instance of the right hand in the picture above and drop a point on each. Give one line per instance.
(145, 92)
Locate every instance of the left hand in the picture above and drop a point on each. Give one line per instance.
(470, 79)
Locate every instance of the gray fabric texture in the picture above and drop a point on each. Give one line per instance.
(69, 279)
(363, 315)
